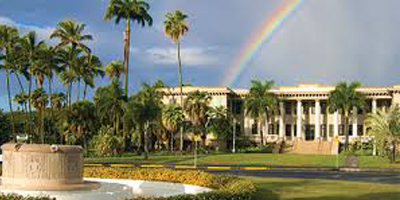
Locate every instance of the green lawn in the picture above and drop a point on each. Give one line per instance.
(301, 189)
(251, 159)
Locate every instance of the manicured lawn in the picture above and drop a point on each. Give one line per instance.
(230, 159)
(250, 159)
(301, 189)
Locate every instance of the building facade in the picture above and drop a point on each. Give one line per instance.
(303, 113)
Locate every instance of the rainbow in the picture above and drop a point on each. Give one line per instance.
(258, 38)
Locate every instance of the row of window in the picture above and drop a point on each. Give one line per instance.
(273, 129)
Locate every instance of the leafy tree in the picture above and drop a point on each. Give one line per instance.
(175, 28)
(110, 105)
(197, 108)
(172, 119)
(5, 128)
(129, 10)
(385, 127)
(81, 120)
(261, 104)
(106, 143)
(145, 109)
(343, 99)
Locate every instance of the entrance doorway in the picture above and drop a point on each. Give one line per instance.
(310, 132)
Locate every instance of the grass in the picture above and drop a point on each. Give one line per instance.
(302, 189)
(250, 159)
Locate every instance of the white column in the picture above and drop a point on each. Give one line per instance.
(374, 105)
(355, 123)
(299, 119)
(281, 121)
(317, 119)
(335, 123)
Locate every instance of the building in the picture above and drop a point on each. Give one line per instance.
(304, 121)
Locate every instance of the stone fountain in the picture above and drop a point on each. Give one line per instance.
(57, 171)
(44, 167)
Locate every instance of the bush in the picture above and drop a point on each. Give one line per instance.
(106, 143)
(225, 187)
(19, 197)
(258, 149)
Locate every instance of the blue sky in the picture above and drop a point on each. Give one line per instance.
(324, 41)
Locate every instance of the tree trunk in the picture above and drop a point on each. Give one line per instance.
(84, 92)
(30, 106)
(146, 150)
(394, 150)
(259, 124)
(70, 95)
(172, 141)
(181, 91)
(25, 111)
(10, 105)
(127, 38)
(79, 90)
(346, 131)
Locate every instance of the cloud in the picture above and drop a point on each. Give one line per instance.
(190, 56)
(43, 33)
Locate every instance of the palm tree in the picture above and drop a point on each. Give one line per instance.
(8, 39)
(71, 33)
(220, 122)
(21, 99)
(343, 99)
(261, 104)
(114, 69)
(92, 68)
(39, 101)
(129, 10)
(175, 28)
(172, 119)
(385, 127)
(196, 108)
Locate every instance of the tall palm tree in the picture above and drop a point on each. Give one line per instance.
(385, 127)
(129, 10)
(343, 99)
(196, 108)
(115, 69)
(71, 33)
(260, 104)
(21, 99)
(175, 28)
(172, 119)
(39, 100)
(9, 37)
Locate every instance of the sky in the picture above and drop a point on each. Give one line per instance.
(324, 41)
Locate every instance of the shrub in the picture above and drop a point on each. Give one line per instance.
(20, 197)
(106, 143)
(225, 187)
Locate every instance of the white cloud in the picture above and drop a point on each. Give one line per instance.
(43, 33)
(190, 56)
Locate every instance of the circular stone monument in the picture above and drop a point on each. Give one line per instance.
(43, 167)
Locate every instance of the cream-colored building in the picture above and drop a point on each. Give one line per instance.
(303, 119)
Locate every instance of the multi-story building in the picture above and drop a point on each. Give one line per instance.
(304, 121)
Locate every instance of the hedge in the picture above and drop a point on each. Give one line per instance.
(19, 197)
(224, 187)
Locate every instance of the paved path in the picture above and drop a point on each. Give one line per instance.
(392, 178)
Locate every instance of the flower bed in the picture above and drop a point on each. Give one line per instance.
(225, 187)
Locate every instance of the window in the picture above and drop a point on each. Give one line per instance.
(271, 129)
(341, 129)
(236, 106)
(350, 130)
(254, 128)
(288, 130)
(323, 130)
